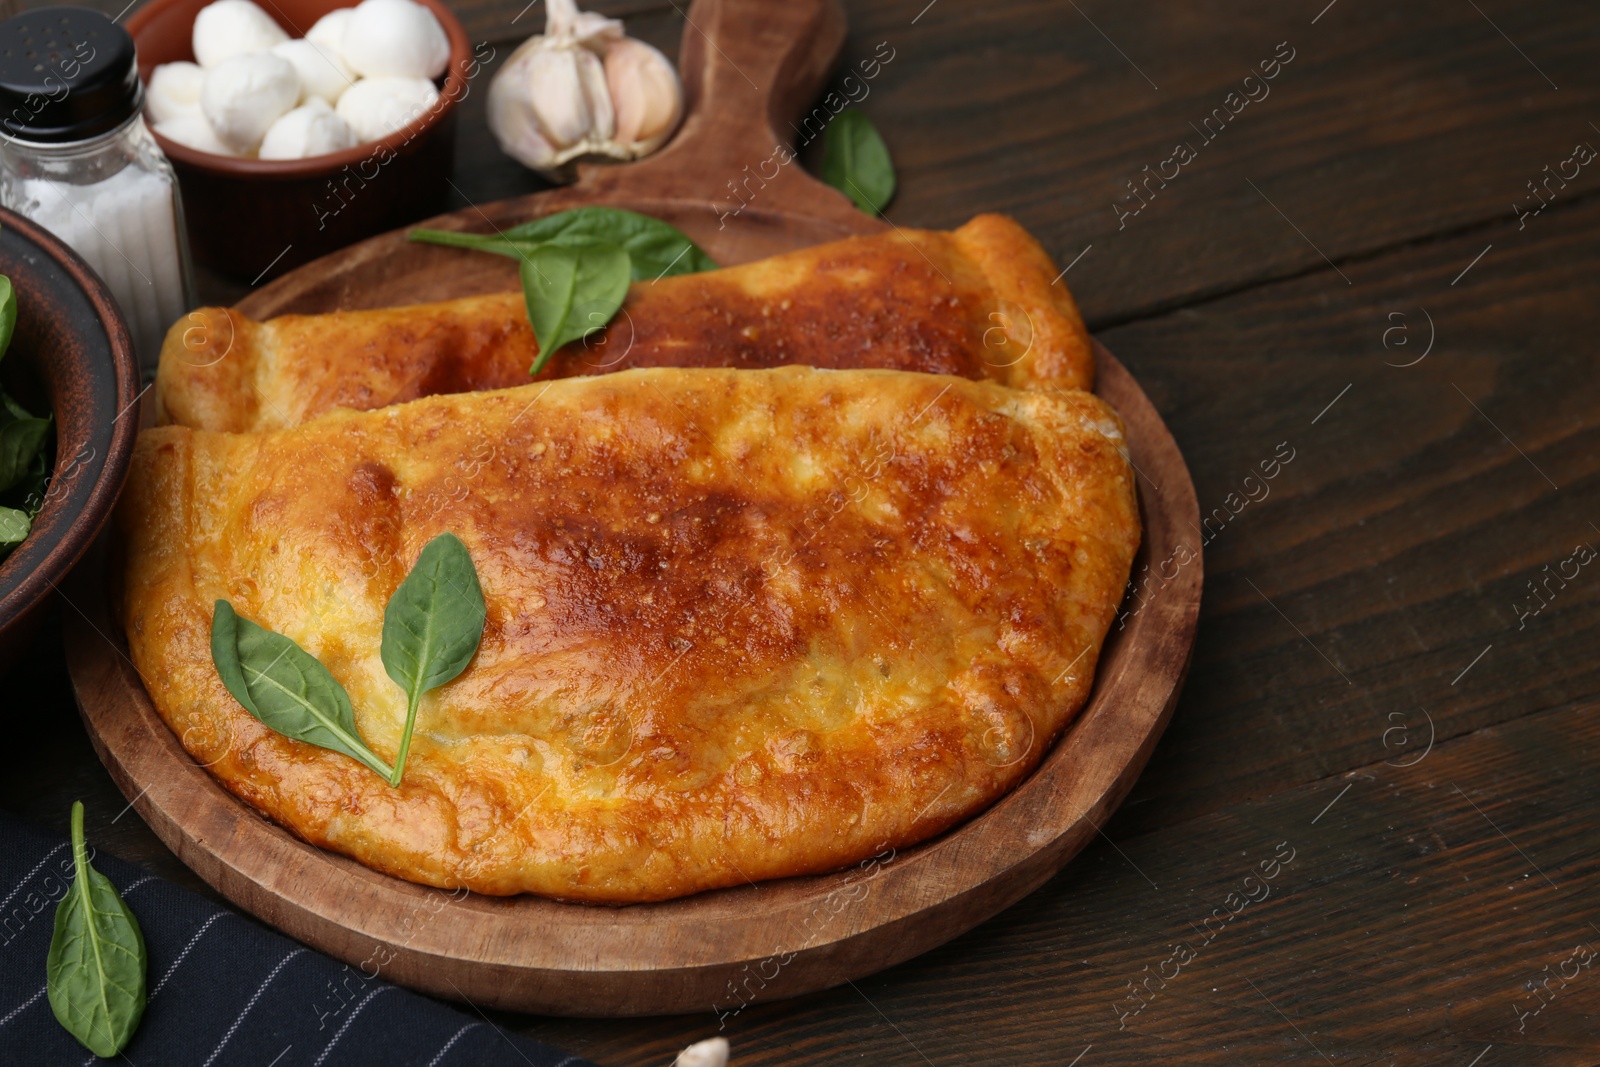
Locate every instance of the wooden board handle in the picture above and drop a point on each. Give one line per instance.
(751, 69)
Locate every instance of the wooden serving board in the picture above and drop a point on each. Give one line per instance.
(719, 950)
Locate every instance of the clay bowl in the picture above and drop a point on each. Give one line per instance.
(72, 355)
(254, 219)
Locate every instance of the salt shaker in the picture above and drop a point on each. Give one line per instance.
(76, 157)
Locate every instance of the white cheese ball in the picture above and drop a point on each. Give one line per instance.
(174, 90)
(243, 96)
(193, 130)
(311, 129)
(323, 74)
(231, 28)
(395, 38)
(328, 31)
(377, 107)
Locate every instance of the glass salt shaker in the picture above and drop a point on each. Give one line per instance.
(76, 157)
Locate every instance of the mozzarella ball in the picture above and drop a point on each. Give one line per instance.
(174, 90)
(192, 129)
(243, 96)
(323, 75)
(395, 38)
(231, 28)
(377, 107)
(311, 129)
(328, 31)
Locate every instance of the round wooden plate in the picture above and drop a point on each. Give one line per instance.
(720, 950)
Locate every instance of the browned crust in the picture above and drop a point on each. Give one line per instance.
(978, 302)
(741, 625)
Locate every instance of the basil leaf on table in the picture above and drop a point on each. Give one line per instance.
(657, 249)
(857, 162)
(431, 627)
(96, 966)
(570, 291)
(286, 687)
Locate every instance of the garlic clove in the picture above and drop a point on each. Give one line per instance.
(646, 93)
(174, 90)
(323, 75)
(395, 38)
(511, 118)
(377, 107)
(556, 93)
(603, 116)
(713, 1052)
(231, 28)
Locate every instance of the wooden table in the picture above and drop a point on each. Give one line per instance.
(1336, 278)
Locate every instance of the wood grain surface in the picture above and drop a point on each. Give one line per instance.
(1411, 926)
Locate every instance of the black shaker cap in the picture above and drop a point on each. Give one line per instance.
(66, 74)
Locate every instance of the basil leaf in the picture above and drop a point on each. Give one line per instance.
(857, 162)
(8, 313)
(96, 966)
(14, 526)
(570, 291)
(286, 687)
(658, 249)
(431, 627)
(21, 440)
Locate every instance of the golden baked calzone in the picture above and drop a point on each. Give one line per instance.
(976, 302)
(741, 624)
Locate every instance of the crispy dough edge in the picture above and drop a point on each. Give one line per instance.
(1021, 273)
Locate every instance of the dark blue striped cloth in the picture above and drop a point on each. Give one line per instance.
(221, 989)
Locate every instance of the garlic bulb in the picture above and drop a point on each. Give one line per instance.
(582, 88)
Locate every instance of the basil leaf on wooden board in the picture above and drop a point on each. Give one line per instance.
(570, 291)
(14, 526)
(657, 249)
(8, 313)
(286, 687)
(431, 627)
(21, 440)
(857, 162)
(96, 966)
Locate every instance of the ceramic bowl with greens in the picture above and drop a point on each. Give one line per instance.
(68, 417)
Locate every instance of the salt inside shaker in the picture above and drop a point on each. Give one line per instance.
(76, 157)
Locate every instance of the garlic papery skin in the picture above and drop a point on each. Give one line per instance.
(582, 89)
(567, 87)
(645, 93)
